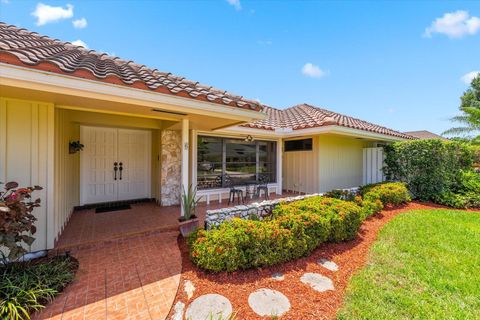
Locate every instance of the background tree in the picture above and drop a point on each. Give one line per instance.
(470, 113)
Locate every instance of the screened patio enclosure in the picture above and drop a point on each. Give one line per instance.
(242, 160)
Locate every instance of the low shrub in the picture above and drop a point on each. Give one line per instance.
(17, 222)
(345, 217)
(466, 193)
(469, 181)
(346, 195)
(294, 230)
(26, 287)
(369, 207)
(390, 193)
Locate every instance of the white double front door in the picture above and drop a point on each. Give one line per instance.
(114, 164)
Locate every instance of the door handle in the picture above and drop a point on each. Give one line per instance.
(121, 169)
(115, 170)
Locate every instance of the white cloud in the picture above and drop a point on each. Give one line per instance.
(313, 71)
(235, 3)
(454, 24)
(47, 14)
(468, 77)
(80, 23)
(80, 43)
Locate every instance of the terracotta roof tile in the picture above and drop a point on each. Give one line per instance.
(22, 47)
(424, 134)
(25, 48)
(306, 116)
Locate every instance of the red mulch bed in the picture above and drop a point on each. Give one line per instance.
(305, 302)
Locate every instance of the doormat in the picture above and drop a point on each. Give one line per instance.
(113, 208)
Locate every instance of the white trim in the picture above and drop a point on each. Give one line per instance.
(236, 135)
(219, 192)
(185, 157)
(193, 164)
(31, 78)
(334, 129)
(279, 164)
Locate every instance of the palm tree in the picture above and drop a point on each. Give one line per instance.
(470, 117)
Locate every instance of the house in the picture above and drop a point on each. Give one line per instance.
(424, 134)
(147, 133)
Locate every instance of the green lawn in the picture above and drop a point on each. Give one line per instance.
(425, 264)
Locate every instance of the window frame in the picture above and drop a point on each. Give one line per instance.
(270, 167)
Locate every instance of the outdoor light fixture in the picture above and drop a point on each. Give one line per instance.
(249, 138)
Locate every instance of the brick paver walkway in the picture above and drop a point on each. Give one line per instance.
(129, 278)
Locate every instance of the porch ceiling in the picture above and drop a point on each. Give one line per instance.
(171, 117)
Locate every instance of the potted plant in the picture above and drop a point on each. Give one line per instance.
(189, 221)
(74, 147)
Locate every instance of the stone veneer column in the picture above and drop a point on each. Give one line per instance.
(171, 164)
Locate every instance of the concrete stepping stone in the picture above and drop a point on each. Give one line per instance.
(278, 276)
(317, 282)
(268, 302)
(209, 306)
(328, 264)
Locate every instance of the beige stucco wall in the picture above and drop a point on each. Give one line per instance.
(26, 156)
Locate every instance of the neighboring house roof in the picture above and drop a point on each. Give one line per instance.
(305, 116)
(424, 134)
(24, 48)
(29, 49)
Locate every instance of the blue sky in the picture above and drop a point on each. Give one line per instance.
(398, 64)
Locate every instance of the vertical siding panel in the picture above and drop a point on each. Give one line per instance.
(24, 133)
(341, 162)
(3, 140)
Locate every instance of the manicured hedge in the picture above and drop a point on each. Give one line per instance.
(294, 231)
(389, 193)
(429, 167)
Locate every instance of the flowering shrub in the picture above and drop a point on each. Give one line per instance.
(294, 231)
(369, 207)
(344, 216)
(16, 218)
(389, 193)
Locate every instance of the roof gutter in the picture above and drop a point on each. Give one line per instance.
(332, 129)
(24, 77)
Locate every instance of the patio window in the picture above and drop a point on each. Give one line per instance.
(298, 145)
(242, 160)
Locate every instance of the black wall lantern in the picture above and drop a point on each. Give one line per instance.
(74, 147)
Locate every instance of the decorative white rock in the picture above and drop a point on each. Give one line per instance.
(328, 264)
(189, 288)
(267, 302)
(317, 282)
(278, 276)
(207, 306)
(178, 308)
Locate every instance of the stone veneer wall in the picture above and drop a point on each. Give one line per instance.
(171, 165)
(257, 209)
